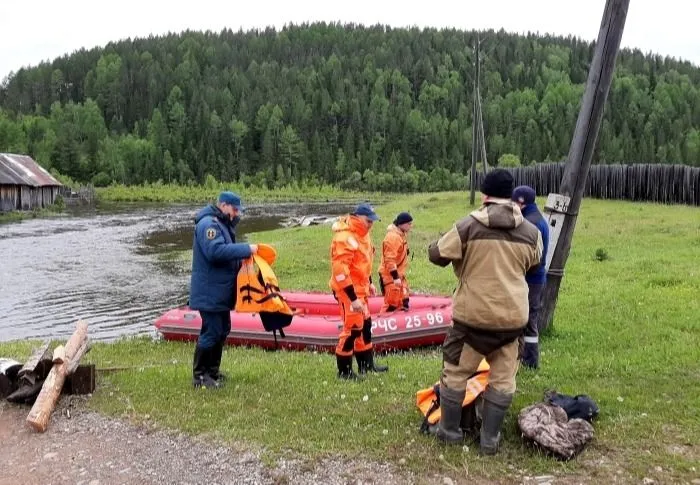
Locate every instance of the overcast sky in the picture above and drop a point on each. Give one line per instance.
(32, 31)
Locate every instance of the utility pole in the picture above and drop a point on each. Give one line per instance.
(475, 121)
(562, 209)
(482, 138)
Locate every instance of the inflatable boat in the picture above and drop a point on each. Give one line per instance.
(316, 324)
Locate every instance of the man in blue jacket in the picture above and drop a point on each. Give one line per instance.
(536, 278)
(216, 259)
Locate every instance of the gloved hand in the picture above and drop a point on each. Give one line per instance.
(357, 306)
(372, 289)
(397, 282)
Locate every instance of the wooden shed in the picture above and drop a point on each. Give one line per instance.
(24, 184)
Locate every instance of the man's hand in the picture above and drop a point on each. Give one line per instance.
(357, 306)
(372, 289)
(253, 249)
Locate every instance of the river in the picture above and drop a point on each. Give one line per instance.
(106, 265)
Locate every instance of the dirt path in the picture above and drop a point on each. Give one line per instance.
(84, 448)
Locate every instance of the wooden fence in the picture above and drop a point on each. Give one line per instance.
(666, 184)
(84, 195)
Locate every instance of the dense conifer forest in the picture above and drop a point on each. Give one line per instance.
(356, 106)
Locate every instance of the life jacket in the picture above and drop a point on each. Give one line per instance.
(428, 400)
(258, 291)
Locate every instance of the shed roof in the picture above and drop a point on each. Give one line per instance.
(23, 170)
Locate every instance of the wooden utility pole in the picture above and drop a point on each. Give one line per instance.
(475, 121)
(482, 138)
(562, 209)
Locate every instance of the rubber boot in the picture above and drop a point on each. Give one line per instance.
(214, 372)
(365, 362)
(448, 430)
(345, 368)
(200, 369)
(530, 356)
(496, 403)
(471, 420)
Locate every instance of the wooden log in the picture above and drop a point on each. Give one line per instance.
(59, 355)
(83, 349)
(40, 413)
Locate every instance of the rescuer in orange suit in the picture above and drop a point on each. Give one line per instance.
(392, 271)
(352, 254)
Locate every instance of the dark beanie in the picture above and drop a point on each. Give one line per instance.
(403, 218)
(498, 183)
(524, 194)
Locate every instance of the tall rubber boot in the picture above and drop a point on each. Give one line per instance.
(365, 362)
(530, 356)
(345, 368)
(200, 369)
(471, 420)
(214, 372)
(448, 430)
(496, 404)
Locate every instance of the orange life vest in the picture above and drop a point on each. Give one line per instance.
(428, 401)
(258, 291)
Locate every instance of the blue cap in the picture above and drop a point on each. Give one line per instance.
(524, 194)
(232, 199)
(366, 210)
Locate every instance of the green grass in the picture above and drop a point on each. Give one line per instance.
(16, 216)
(159, 192)
(626, 333)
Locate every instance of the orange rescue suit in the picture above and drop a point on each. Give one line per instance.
(352, 254)
(393, 266)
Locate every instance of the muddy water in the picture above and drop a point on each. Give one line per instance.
(105, 265)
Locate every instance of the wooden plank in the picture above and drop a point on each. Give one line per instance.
(82, 381)
(28, 373)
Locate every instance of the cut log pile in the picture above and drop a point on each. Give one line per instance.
(46, 375)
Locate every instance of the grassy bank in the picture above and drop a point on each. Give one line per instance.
(202, 193)
(16, 216)
(626, 333)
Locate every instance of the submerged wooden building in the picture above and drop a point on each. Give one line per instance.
(24, 184)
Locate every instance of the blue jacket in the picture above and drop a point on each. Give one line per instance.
(537, 275)
(216, 259)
